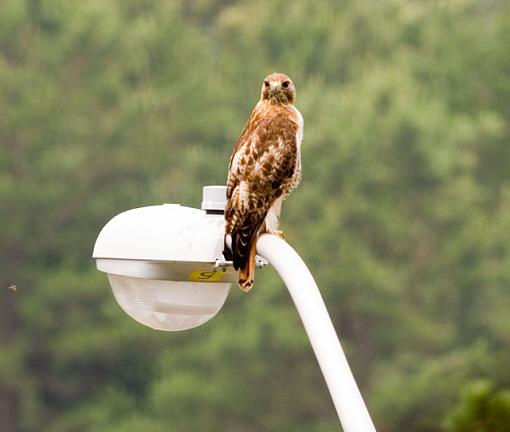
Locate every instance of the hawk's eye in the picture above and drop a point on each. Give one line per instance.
(286, 84)
(266, 84)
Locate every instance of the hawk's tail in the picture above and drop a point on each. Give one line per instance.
(247, 271)
(244, 244)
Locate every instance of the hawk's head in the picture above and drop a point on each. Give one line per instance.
(278, 87)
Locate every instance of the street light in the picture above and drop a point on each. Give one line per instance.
(167, 271)
(165, 263)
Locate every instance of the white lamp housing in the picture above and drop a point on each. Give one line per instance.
(165, 263)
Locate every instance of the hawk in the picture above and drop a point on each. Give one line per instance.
(264, 168)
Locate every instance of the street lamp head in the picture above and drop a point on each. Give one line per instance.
(165, 263)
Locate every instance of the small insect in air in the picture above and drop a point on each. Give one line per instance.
(13, 287)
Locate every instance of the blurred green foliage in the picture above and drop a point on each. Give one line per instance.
(403, 214)
(483, 409)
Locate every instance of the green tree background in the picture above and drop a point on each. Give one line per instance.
(403, 214)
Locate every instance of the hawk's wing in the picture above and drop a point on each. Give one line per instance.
(261, 166)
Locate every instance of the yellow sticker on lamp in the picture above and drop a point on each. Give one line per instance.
(205, 276)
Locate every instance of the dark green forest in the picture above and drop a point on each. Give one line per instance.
(403, 214)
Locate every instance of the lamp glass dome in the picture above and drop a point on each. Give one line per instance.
(168, 305)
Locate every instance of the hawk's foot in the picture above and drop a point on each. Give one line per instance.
(280, 234)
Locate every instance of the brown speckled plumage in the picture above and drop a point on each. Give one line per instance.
(265, 167)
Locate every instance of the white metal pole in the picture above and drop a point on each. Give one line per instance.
(303, 289)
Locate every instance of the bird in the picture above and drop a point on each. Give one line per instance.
(264, 168)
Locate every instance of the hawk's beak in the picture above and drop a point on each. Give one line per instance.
(274, 87)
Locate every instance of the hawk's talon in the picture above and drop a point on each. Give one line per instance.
(280, 234)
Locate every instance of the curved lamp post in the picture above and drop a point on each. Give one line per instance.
(166, 269)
